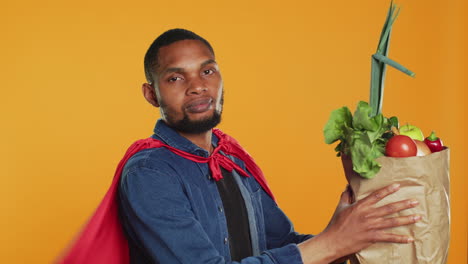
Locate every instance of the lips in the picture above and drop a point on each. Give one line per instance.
(199, 105)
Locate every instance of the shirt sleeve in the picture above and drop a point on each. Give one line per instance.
(279, 229)
(157, 216)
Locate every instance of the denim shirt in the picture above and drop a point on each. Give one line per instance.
(172, 212)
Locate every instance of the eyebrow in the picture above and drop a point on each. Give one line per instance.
(178, 69)
(208, 62)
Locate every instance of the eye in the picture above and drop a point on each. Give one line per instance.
(208, 72)
(173, 79)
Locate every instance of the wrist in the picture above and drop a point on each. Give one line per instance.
(319, 249)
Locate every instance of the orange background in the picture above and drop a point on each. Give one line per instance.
(71, 102)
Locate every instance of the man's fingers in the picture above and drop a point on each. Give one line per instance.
(393, 238)
(381, 193)
(352, 196)
(383, 223)
(393, 208)
(346, 196)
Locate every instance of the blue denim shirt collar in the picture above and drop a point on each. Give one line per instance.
(169, 136)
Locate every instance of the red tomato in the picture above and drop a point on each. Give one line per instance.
(401, 146)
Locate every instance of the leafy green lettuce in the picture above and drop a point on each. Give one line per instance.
(362, 136)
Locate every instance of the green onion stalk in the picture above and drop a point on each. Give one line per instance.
(364, 134)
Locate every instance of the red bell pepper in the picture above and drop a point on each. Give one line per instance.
(434, 143)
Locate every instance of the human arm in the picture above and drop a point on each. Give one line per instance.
(356, 226)
(279, 230)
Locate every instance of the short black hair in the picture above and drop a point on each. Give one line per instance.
(167, 38)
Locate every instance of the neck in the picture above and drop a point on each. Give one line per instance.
(203, 140)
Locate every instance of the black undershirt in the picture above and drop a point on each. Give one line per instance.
(240, 244)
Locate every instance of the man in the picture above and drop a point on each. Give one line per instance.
(176, 207)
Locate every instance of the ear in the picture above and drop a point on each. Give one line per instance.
(150, 94)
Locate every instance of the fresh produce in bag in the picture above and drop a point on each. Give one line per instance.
(376, 152)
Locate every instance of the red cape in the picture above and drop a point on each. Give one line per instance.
(103, 241)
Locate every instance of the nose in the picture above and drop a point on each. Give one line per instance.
(196, 86)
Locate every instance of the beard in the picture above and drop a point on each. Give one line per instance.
(196, 126)
(188, 126)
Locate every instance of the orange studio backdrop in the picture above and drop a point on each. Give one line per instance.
(71, 101)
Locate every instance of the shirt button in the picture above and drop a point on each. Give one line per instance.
(225, 240)
(220, 208)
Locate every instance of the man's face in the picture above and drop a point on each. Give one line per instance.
(188, 86)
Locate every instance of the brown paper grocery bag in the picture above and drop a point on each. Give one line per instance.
(423, 178)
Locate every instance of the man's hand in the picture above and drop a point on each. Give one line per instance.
(355, 226)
